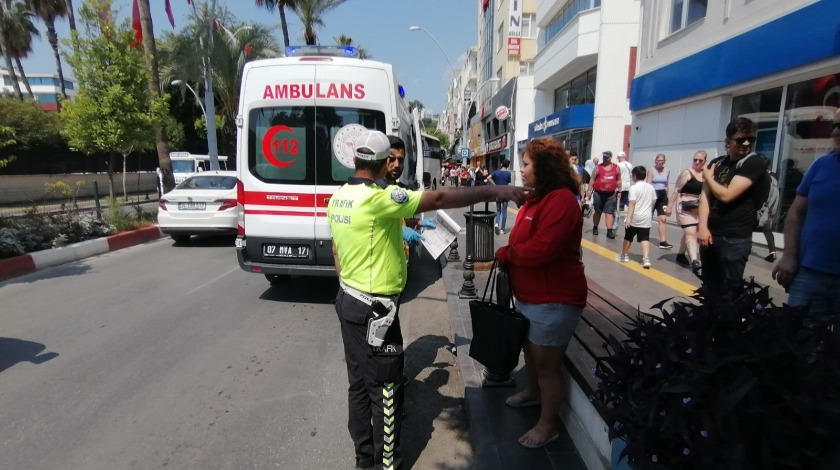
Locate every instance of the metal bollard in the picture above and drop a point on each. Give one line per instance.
(453, 251)
(468, 290)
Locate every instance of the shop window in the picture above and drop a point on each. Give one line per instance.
(686, 12)
(561, 98)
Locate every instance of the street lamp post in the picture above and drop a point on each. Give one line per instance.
(418, 28)
(179, 82)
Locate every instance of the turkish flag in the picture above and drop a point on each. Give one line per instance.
(135, 24)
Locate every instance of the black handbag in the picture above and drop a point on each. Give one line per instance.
(690, 205)
(499, 331)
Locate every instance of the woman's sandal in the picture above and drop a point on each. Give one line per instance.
(515, 402)
(539, 444)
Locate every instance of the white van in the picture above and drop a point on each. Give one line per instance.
(185, 164)
(298, 118)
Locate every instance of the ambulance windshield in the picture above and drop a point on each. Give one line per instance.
(297, 144)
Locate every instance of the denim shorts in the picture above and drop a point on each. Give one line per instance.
(551, 324)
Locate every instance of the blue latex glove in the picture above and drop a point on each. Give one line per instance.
(412, 237)
(428, 223)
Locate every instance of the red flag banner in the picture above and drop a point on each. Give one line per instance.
(169, 15)
(135, 24)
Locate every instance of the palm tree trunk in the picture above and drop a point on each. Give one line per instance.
(150, 54)
(283, 25)
(5, 47)
(71, 16)
(23, 77)
(309, 34)
(53, 38)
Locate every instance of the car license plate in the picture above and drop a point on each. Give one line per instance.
(273, 250)
(192, 206)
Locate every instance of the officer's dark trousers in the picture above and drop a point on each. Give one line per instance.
(374, 396)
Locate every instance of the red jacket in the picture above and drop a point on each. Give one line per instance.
(543, 254)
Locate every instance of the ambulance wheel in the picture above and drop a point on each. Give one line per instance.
(180, 239)
(277, 279)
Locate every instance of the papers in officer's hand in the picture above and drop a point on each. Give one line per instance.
(437, 240)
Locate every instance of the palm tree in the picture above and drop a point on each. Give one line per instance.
(5, 46)
(21, 31)
(311, 14)
(151, 57)
(344, 40)
(281, 6)
(71, 16)
(234, 44)
(48, 11)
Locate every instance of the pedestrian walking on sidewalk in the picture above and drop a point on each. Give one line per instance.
(501, 177)
(658, 177)
(686, 201)
(641, 198)
(810, 263)
(606, 181)
(728, 206)
(366, 217)
(543, 259)
(625, 168)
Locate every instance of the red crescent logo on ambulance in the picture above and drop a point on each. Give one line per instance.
(270, 147)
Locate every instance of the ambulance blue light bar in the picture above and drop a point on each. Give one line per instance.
(328, 51)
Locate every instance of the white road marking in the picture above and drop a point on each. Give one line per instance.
(232, 270)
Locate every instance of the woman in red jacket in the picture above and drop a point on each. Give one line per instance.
(543, 258)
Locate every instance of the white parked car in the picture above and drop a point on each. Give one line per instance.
(203, 204)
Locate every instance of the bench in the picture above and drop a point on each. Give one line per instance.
(585, 416)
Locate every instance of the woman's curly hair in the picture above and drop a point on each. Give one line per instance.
(552, 168)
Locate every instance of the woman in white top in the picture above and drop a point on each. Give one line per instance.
(658, 178)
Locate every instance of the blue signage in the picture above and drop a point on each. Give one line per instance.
(575, 117)
(465, 152)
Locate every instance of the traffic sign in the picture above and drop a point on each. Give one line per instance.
(465, 152)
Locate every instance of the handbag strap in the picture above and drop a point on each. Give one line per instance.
(491, 284)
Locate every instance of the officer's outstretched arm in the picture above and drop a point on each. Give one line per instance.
(462, 197)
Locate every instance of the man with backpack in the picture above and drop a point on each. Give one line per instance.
(733, 192)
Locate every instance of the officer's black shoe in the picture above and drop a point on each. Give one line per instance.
(610, 233)
(364, 463)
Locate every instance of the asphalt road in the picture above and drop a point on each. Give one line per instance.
(162, 356)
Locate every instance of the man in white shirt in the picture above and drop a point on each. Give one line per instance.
(639, 217)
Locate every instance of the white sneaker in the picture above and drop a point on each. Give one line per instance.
(646, 263)
(623, 259)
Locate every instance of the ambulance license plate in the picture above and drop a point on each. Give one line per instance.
(273, 250)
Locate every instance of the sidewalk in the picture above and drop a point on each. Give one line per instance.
(494, 427)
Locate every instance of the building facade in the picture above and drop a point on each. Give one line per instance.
(507, 44)
(45, 87)
(702, 63)
(582, 73)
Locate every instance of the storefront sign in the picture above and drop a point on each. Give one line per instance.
(502, 113)
(513, 46)
(497, 144)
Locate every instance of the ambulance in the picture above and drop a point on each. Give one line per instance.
(299, 116)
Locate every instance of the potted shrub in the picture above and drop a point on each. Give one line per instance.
(743, 384)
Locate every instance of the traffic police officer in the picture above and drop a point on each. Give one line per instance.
(365, 217)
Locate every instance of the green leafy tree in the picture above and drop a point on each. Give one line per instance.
(22, 32)
(344, 40)
(281, 6)
(311, 14)
(112, 111)
(32, 127)
(234, 45)
(416, 104)
(7, 138)
(443, 138)
(48, 11)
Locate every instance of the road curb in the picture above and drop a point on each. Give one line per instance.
(31, 262)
